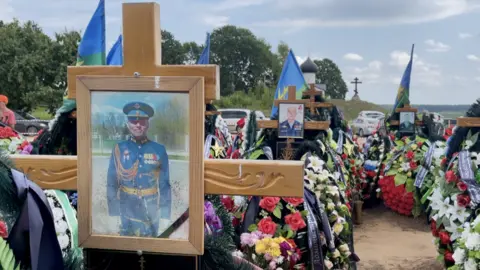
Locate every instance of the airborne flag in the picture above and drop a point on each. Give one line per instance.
(403, 94)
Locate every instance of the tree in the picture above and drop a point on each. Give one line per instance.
(245, 61)
(329, 74)
(192, 52)
(24, 50)
(172, 50)
(282, 52)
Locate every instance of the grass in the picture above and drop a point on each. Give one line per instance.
(351, 108)
(42, 113)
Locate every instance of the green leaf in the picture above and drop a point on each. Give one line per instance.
(474, 138)
(277, 212)
(410, 187)
(256, 154)
(304, 213)
(400, 179)
(391, 172)
(252, 227)
(289, 234)
(426, 195)
(7, 260)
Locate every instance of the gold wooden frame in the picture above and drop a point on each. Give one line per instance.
(194, 87)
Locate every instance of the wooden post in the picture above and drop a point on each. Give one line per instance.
(468, 122)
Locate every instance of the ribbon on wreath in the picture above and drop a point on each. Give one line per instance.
(425, 167)
(397, 155)
(314, 240)
(340, 142)
(33, 237)
(467, 175)
(208, 145)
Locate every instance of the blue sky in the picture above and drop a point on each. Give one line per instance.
(370, 39)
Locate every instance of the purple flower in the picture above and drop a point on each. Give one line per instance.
(216, 223)
(284, 247)
(208, 211)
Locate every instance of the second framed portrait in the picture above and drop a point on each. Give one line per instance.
(291, 120)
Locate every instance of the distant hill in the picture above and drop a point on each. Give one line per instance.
(351, 108)
(448, 111)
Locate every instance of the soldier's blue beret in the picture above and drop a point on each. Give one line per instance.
(138, 110)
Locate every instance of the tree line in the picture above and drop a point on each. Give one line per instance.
(33, 66)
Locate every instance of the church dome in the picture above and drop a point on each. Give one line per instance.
(309, 66)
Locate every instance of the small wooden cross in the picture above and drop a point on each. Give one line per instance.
(406, 108)
(288, 151)
(142, 263)
(292, 98)
(311, 93)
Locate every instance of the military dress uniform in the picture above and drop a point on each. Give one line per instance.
(138, 181)
(294, 130)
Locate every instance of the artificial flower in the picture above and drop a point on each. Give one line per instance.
(3, 230)
(269, 203)
(295, 221)
(267, 226)
(293, 201)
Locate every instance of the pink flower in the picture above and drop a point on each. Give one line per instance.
(248, 239)
(272, 265)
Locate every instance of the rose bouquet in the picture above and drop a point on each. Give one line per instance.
(13, 143)
(236, 207)
(269, 252)
(397, 186)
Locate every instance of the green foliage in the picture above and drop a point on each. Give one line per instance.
(7, 260)
(351, 108)
(245, 60)
(173, 52)
(260, 98)
(192, 52)
(9, 201)
(329, 74)
(169, 121)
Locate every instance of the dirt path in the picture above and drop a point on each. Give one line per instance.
(388, 241)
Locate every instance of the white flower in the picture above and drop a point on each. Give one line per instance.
(470, 264)
(473, 242)
(475, 157)
(237, 253)
(57, 213)
(476, 221)
(405, 166)
(459, 255)
(239, 200)
(315, 163)
(310, 175)
(442, 208)
(51, 203)
(254, 256)
(330, 206)
(466, 231)
(279, 259)
(323, 176)
(453, 230)
(328, 264)
(457, 211)
(344, 248)
(61, 227)
(63, 240)
(333, 190)
(13, 147)
(336, 253)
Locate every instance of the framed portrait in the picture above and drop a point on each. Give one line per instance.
(140, 163)
(290, 120)
(407, 122)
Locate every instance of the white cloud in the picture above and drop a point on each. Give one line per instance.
(370, 74)
(302, 14)
(353, 57)
(215, 21)
(473, 57)
(6, 10)
(235, 4)
(464, 35)
(425, 73)
(436, 46)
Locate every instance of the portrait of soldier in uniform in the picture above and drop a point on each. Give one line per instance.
(138, 180)
(407, 122)
(291, 120)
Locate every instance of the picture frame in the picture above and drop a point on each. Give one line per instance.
(193, 87)
(291, 118)
(407, 123)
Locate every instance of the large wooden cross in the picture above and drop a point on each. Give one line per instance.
(142, 57)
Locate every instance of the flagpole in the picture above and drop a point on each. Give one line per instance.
(411, 53)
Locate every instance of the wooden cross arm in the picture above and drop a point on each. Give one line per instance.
(297, 101)
(396, 123)
(310, 125)
(221, 176)
(468, 122)
(211, 74)
(406, 109)
(320, 105)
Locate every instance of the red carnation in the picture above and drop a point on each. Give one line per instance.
(462, 186)
(228, 202)
(3, 230)
(449, 256)
(410, 155)
(433, 227)
(413, 165)
(451, 177)
(344, 156)
(444, 237)
(463, 200)
(419, 144)
(444, 161)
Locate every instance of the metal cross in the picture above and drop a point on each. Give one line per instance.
(356, 81)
